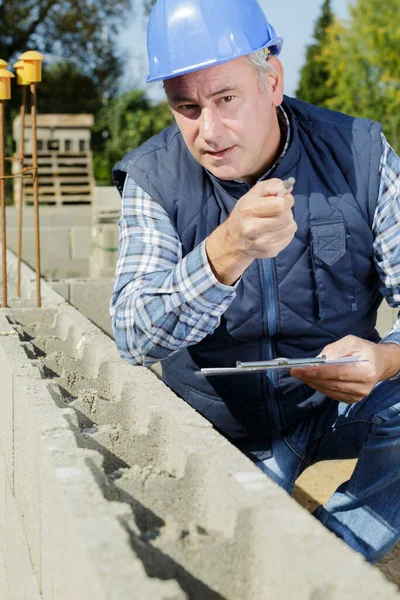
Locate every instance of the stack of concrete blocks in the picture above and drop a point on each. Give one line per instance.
(106, 210)
(112, 488)
(65, 239)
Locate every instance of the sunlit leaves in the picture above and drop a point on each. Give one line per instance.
(314, 74)
(126, 122)
(363, 60)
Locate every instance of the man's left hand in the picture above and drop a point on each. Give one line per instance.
(350, 383)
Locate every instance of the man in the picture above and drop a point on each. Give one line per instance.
(216, 266)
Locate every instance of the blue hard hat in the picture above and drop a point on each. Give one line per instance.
(188, 35)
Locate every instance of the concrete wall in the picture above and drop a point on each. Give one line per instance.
(106, 211)
(65, 239)
(112, 487)
(76, 240)
(90, 296)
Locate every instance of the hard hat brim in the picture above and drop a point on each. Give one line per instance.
(274, 45)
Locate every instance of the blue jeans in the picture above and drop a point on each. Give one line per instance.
(364, 511)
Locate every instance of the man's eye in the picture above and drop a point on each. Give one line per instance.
(227, 99)
(186, 107)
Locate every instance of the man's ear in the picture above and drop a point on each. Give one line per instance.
(275, 80)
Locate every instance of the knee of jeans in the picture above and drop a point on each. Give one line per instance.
(387, 419)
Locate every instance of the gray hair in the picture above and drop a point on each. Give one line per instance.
(259, 61)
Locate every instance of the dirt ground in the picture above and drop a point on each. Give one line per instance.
(315, 486)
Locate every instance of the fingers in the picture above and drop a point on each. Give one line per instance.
(269, 206)
(262, 224)
(355, 373)
(268, 187)
(346, 346)
(256, 227)
(343, 383)
(269, 241)
(343, 391)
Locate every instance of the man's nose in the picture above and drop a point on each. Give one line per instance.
(210, 125)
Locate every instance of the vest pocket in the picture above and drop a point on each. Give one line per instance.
(333, 268)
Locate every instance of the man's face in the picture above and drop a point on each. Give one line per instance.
(228, 121)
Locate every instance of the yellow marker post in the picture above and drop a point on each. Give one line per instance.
(5, 94)
(23, 81)
(32, 65)
(33, 73)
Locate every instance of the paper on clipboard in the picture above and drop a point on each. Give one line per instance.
(278, 363)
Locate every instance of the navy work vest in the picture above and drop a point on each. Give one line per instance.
(320, 288)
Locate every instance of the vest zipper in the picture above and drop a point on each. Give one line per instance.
(270, 283)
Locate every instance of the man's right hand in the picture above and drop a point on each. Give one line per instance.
(260, 226)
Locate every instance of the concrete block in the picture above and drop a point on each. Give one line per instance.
(106, 198)
(27, 468)
(72, 269)
(86, 553)
(52, 216)
(92, 299)
(3, 485)
(97, 268)
(61, 287)
(106, 258)
(20, 576)
(67, 571)
(81, 242)
(6, 404)
(56, 258)
(50, 298)
(54, 244)
(185, 506)
(106, 237)
(4, 591)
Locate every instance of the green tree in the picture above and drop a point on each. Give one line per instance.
(125, 123)
(314, 74)
(81, 31)
(362, 57)
(64, 89)
(148, 5)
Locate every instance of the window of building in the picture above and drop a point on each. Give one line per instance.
(82, 146)
(67, 145)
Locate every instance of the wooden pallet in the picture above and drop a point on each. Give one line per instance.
(64, 178)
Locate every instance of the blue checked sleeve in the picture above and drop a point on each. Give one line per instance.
(161, 301)
(386, 228)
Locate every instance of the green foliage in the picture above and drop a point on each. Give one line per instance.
(148, 5)
(314, 74)
(362, 57)
(81, 73)
(125, 123)
(64, 89)
(82, 31)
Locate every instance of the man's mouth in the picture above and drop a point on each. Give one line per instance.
(219, 153)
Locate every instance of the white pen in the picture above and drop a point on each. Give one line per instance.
(287, 185)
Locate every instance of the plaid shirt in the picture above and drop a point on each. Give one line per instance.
(163, 302)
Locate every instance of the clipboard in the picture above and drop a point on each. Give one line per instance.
(278, 363)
